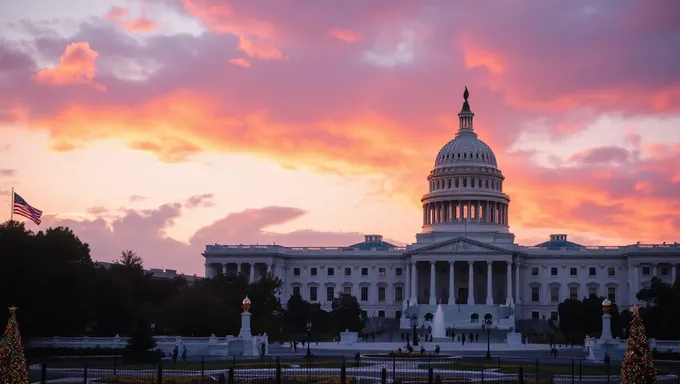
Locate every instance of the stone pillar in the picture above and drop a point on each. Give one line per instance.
(471, 283)
(406, 296)
(433, 287)
(208, 270)
(518, 297)
(452, 292)
(251, 278)
(654, 271)
(414, 283)
(673, 273)
(424, 214)
(489, 283)
(508, 286)
(224, 268)
(636, 281)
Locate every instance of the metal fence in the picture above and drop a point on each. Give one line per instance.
(334, 370)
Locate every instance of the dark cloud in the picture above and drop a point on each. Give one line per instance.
(204, 200)
(7, 172)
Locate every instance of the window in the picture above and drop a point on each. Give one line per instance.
(535, 315)
(381, 313)
(347, 290)
(611, 294)
(364, 293)
(553, 271)
(296, 291)
(554, 294)
(573, 293)
(664, 271)
(381, 272)
(534, 271)
(348, 271)
(398, 293)
(611, 271)
(535, 294)
(554, 316)
(313, 271)
(312, 293)
(330, 293)
(592, 290)
(573, 271)
(397, 315)
(399, 272)
(592, 271)
(364, 271)
(645, 271)
(381, 293)
(331, 271)
(296, 271)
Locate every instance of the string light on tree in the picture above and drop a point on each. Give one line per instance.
(14, 369)
(638, 365)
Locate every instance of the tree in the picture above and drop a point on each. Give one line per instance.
(142, 339)
(130, 259)
(14, 369)
(571, 318)
(346, 313)
(662, 309)
(638, 366)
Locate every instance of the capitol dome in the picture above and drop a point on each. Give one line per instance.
(465, 185)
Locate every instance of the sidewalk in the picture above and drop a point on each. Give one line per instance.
(443, 346)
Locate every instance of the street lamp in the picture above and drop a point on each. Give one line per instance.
(309, 332)
(488, 326)
(414, 325)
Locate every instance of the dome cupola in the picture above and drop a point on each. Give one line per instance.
(465, 185)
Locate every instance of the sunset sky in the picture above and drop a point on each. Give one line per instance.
(164, 125)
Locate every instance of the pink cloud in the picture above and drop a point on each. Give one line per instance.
(344, 35)
(76, 66)
(240, 62)
(122, 18)
(144, 232)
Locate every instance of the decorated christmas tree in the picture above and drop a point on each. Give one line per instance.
(14, 369)
(638, 366)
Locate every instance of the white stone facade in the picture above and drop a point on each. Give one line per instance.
(465, 248)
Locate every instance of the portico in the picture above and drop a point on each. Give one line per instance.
(460, 271)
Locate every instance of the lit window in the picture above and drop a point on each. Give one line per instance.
(554, 294)
(611, 271)
(381, 272)
(348, 271)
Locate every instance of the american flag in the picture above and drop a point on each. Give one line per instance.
(22, 208)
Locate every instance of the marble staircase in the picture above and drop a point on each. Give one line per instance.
(460, 316)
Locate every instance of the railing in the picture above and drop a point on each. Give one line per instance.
(217, 248)
(336, 369)
(118, 341)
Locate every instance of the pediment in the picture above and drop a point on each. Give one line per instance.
(460, 245)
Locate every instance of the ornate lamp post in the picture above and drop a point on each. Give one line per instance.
(488, 326)
(309, 332)
(414, 325)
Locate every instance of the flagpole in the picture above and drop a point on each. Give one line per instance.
(11, 207)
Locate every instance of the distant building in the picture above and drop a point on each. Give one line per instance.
(157, 273)
(465, 257)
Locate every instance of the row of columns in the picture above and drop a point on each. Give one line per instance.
(412, 282)
(465, 210)
(251, 276)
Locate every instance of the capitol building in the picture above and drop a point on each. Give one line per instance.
(465, 258)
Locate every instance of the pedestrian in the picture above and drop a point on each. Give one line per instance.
(175, 353)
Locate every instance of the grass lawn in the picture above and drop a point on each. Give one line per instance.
(529, 369)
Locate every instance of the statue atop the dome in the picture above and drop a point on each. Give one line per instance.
(466, 106)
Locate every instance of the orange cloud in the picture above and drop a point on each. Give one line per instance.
(140, 24)
(344, 35)
(240, 62)
(76, 66)
(476, 56)
(256, 37)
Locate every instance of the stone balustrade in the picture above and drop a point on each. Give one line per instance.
(240, 249)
